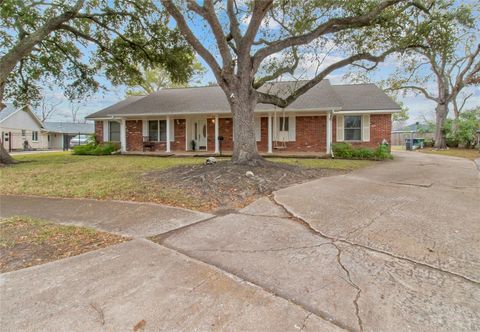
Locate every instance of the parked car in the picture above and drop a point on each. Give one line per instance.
(78, 140)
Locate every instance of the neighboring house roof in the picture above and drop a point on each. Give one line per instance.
(212, 99)
(7, 111)
(69, 127)
(10, 110)
(413, 128)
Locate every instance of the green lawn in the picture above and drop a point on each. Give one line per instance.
(113, 177)
(471, 154)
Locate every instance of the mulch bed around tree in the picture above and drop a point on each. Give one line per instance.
(224, 185)
(26, 242)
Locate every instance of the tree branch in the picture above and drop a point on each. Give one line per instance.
(279, 72)
(284, 102)
(332, 25)
(173, 10)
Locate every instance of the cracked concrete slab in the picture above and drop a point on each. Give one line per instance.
(264, 207)
(437, 225)
(126, 218)
(139, 283)
(355, 288)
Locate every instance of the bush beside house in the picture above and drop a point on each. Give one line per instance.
(95, 149)
(348, 151)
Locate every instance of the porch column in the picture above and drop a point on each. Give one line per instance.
(123, 136)
(168, 134)
(270, 133)
(217, 132)
(329, 132)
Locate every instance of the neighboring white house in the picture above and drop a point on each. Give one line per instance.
(20, 129)
(18, 126)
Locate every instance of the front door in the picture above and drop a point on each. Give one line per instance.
(200, 134)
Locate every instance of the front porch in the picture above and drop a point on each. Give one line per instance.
(211, 135)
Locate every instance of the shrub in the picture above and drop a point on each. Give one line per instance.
(94, 149)
(429, 142)
(347, 151)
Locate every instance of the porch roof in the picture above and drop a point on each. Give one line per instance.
(212, 99)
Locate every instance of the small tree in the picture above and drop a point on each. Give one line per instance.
(248, 44)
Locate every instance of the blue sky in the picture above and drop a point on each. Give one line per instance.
(419, 107)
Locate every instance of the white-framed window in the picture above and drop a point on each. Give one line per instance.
(284, 128)
(24, 133)
(283, 124)
(114, 131)
(352, 128)
(34, 136)
(157, 130)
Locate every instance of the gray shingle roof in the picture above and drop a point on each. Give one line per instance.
(115, 107)
(360, 97)
(212, 99)
(69, 127)
(7, 111)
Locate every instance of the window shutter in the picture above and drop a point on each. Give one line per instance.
(340, 132)
(105, 130)
(258, 129)
(172, 130)
(366, 128)
(292, 133)
(145, 128)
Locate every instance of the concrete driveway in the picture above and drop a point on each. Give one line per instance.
(392, 247)
(395, 247)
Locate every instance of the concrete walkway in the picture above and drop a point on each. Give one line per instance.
(125, 218)
(141, 286)
(392, 247)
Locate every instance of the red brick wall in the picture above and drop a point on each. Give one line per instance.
(99, 131)
(226, 130)
(262, 145)
(134, 135)
(310, 134)
(380, 128)
(180, 135)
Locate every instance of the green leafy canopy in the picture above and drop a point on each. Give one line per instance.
(105, 37)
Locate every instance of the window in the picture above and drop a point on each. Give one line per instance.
(114, 131)
(283, 124)
(24, 133)
(353, 128)
(157, 131)
(34, 136)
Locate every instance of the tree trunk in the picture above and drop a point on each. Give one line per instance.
(441, 112)
(242, 104)
(5, 157)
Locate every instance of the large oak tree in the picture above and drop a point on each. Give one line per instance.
(69, 42)
(256, 42)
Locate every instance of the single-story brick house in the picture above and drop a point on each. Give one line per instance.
(193, 119)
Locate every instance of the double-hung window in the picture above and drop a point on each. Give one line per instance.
(157, 130)
(353, 128)
(114, 131)
(34, 136)
(283, 124)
